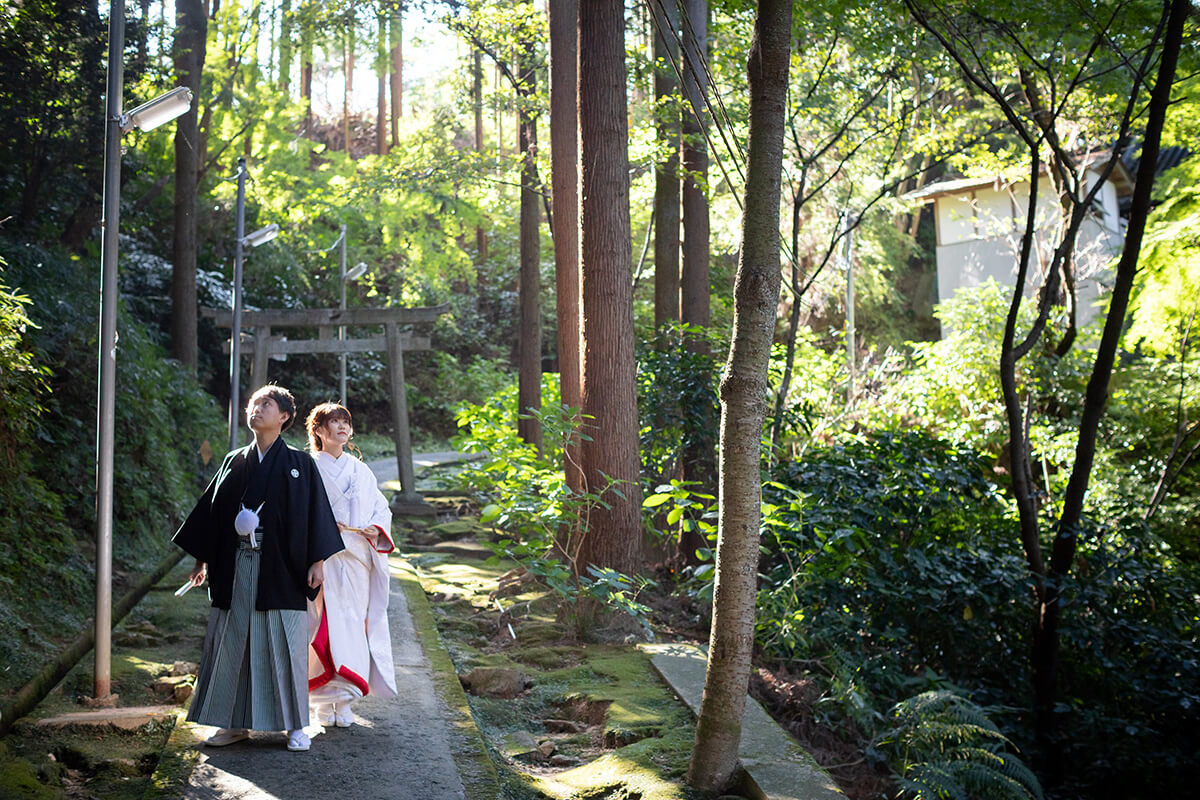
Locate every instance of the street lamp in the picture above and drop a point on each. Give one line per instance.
(343, 277)
(242, 239)
(158, 111)
(849, 222)
(147, 116)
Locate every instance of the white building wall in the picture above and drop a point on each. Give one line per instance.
(979, 237)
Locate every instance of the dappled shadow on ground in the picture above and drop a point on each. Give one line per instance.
(790, 700)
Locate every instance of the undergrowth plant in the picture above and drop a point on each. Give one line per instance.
(945, 747)
(542, 521)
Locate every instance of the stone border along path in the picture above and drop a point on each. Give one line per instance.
(777, 768)
(422, 744)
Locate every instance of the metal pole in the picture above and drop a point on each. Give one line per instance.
(848, 253)
(235, 342)
(342, 328)
(106, 399)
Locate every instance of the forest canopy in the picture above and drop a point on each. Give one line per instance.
(979, 479)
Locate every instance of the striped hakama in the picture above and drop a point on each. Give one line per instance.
(254, 670)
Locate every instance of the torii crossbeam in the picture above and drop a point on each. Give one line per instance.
(262, 345)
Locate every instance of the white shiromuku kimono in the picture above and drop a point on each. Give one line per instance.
(351, 651)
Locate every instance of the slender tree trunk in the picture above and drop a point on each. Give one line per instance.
(564, 179)
(785, 382)
(1046, 642)
(397, 70)
(306, 72)
(83, 221)
(348, 72)
(694, 299)
(666, 170)
(191, 33)
(381, 69)
(143, 52)
(608, 397)
(481, 245)
(285, 45)
(743, 404)
(529, 372)
(698, 457)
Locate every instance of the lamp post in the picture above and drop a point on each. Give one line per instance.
(259, 237)
(353, 274)
(145, 117)
(848, 224)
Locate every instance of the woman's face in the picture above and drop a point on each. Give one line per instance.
(335, 432)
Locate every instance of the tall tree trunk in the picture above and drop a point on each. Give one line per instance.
(397, 70)
(564, 179)
(1046, 642)
(82, 222)
(666, 170)
(529, 371)
(608, 397)
(143, 51)
(481, 246)
(694, 299)
(307, 35)
(191, 31)
(698, 456)
(347, 86)
(743, 404)
(381, 69)
(285, 45)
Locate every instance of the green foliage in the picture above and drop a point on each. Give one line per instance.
(48, 500)
(883, 557)
(524, 494)
(22, 378)
(947, 748)
(677, 398)
(1168, 280)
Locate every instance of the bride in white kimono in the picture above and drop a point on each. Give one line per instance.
(351, 651)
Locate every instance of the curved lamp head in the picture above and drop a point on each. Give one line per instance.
(163, 108)
(261, 236)
(357, 271)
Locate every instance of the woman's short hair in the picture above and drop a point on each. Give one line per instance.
(282, 397)
(321, 416)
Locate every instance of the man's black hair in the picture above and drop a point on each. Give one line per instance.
(282, 397)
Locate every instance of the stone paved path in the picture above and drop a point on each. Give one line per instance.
(398, 748)
(386, 469)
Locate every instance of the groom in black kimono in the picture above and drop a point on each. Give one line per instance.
(261, 571)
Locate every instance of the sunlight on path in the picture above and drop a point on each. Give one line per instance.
(396, 748)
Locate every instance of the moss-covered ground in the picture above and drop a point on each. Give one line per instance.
(597, 721)
(47, 762)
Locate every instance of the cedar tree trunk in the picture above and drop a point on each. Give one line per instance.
(529, 345)
(564, 180)
(608, 396)
(397, 70)
(666, 170)
(190, 41)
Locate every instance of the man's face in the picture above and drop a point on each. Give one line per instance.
(263, 415)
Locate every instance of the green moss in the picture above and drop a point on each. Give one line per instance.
(19, 781)
(610, 688)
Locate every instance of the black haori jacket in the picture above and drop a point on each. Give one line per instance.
(297, 526)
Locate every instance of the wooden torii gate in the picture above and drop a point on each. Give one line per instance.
(262, 345)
